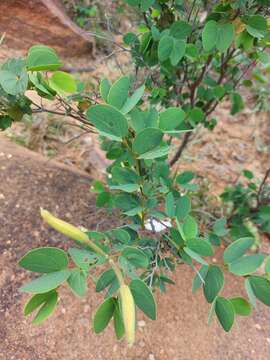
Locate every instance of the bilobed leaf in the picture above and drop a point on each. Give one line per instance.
(178, 51)
(241, 306)
(77, 282)
(147, 140)
(261, 288)
(105, 279)
(183, 206)
(165, 47)
(41, 57)
(44, 260)
(143, 298)
(133, 100)
(237, 249)
(214, 282)
(109, 121)
(13, 77)
(104, 89)
(35, 302)
(209, 35)
(63, 82)
(46, 282)
(246, 264)
(46, 309)
(171, 118)
(225, 36)
(180, 30)
(225, 313)
(118, 92)
(103, 315)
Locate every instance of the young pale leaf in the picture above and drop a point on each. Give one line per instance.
(44, 260)
(46, 282)
(214, 282)
(261, 288)
(109, 121)
(147, 140)
(165, 47)
(241, 306)
(237, 249)
(104, 89)
(246, 264)
(143, 298)
(171, 118)
(103, 315)
(133, 100)
(46, 309)
(41, 57)
(209, 35)
(190, 228)
(225, 313)
(198, 280)
(118, 92)
(105, 279)
(183, 207)
(77, 282)
(63, 82)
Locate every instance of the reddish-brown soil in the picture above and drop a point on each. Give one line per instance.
(29, 181)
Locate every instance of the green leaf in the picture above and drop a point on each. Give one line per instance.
(105, 279)
(237, 103)
(198, 280)
(267, 265)
(156, 153)
(214, 282)
(13, 77)
(5, 122)
(77, 282)
(63, 82)
(246, 264)
(237, 249)
(103, 315)
(41, 57)
(49, 301)
(118, 321)
(133, 100)
(104, 89)
(251, 295)
(180, 30)
(261, 288)
(136, 257)
(169, 205)
(165, 47)
(201, 247)
(225, 36)
(84, 259)
(143, 298)
(219, 227)
(209, 35)
(147, 140)
(178, 51)
(118, 92)
(46, 282)
(225, 313)
(109, 121)
(183, 207)
(241, 306)
(176, 238)
(44, 260)
(185, 177)
(190, 227)
(195, 256)
(171, 118)
(257, 26)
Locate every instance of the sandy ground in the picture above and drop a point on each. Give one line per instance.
(29, 181)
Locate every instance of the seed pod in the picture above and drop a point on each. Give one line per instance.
(128, 312)
(64, 227)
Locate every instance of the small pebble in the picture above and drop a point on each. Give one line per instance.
(151, 357)
(141, 323)
(258, 326)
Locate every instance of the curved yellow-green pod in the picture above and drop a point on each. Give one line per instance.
(128, 313)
